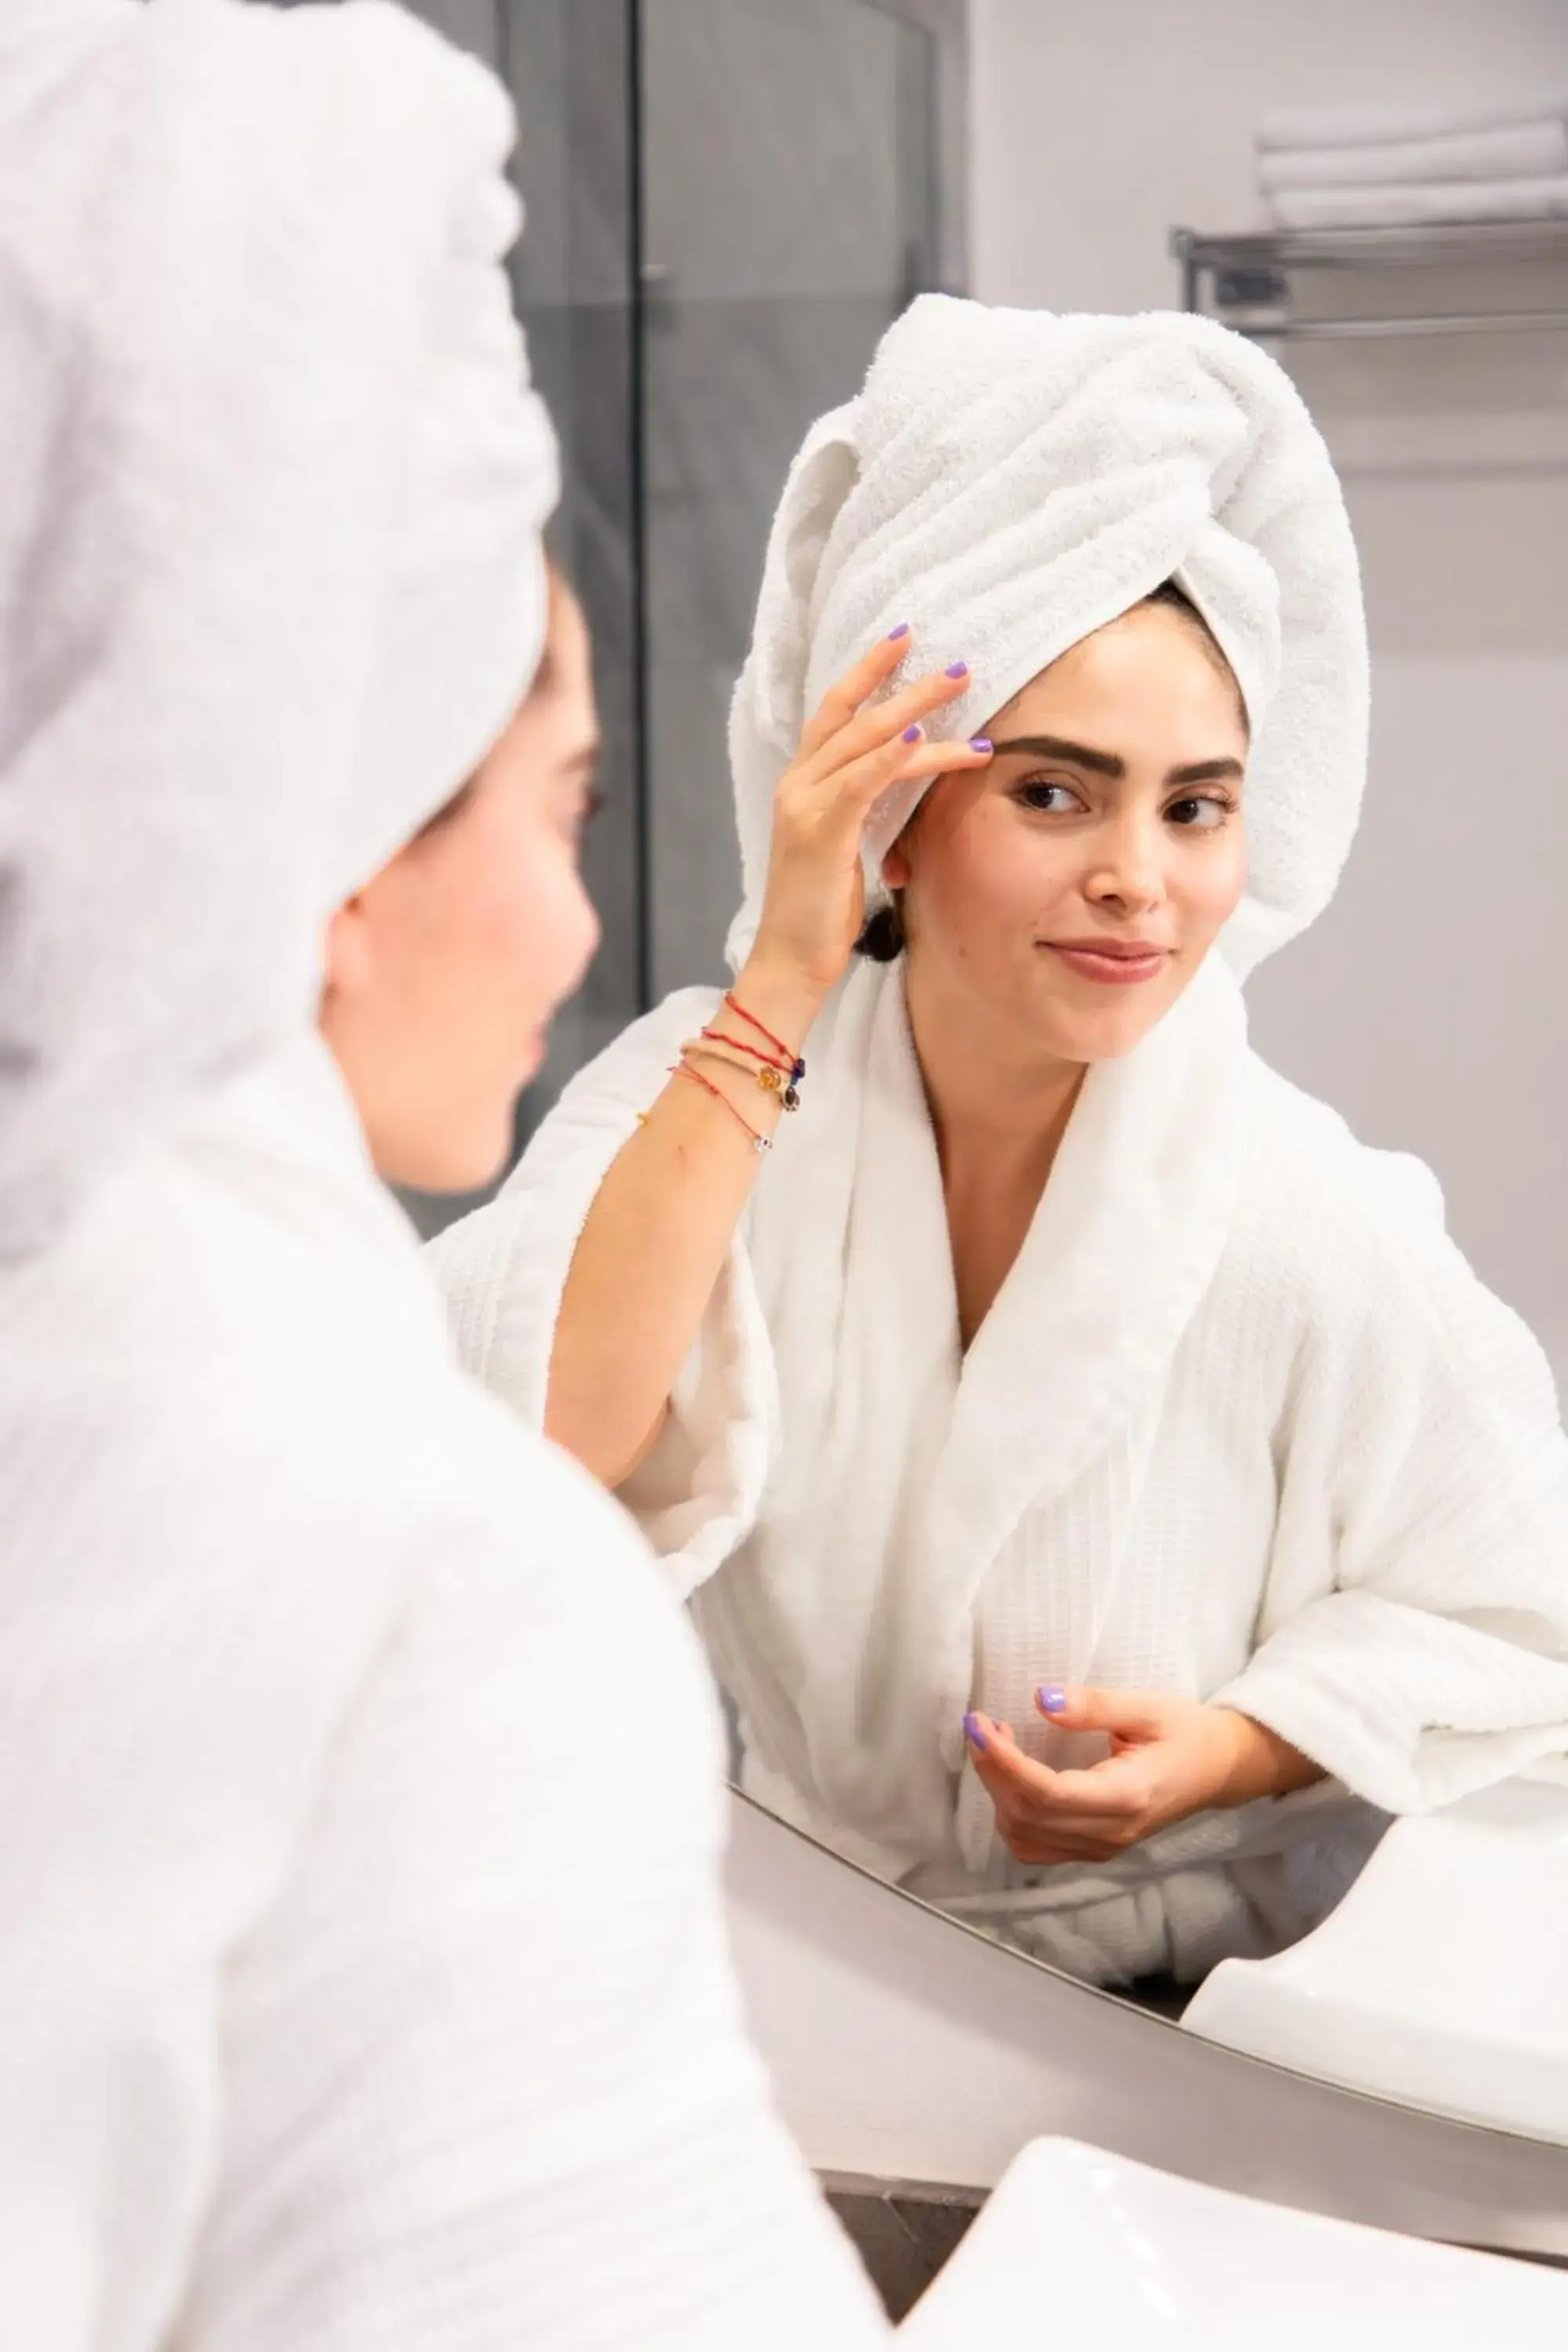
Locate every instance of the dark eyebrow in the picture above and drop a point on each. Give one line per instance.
(1107, 763)
(1208, 772)
(1056, 747)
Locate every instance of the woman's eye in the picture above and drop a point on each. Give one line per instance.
(1051, 798)
(584, 812)
(1201, 815)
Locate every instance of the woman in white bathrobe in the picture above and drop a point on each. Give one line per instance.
(1104, 1490)
(339, 2008)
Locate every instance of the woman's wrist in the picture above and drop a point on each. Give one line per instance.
(1259, 1762)
(785, 999)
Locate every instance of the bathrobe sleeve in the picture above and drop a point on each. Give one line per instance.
(1415, 1627)
(487, 2086)
(503, 1270)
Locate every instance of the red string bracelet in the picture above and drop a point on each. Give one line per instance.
(684, 1070)
(751, 1019)
(778, 1077)
(723, 1037)
(795, 1061)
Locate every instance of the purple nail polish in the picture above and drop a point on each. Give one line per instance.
(913, 734)
(979, 742)
(973, 1734)
(1052, 1699)
(958, 669)
(901, 631)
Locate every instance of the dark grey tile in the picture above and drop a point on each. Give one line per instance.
(903, 2235)
(935, 2224)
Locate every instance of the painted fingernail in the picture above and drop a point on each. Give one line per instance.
(913, 734)
(973, 1734)
(958, 669)
(979, 742)
(1052, 1699)
(901, 631)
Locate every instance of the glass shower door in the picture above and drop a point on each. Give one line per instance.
(728, 200)
(789, 210)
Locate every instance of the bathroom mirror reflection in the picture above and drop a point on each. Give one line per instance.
(1109, 1488)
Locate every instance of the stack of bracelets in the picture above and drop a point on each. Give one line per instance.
(778, 1071)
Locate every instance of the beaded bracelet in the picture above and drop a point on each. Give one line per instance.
(774, 1078)
(796, 1061)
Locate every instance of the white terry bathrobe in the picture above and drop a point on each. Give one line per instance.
(1241, 1423)
(319, 2030)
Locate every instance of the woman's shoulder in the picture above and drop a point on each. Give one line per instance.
(1307, 1153)
(1322, 1213)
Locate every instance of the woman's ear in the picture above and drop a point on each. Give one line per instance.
(899, 864)
(347, 958)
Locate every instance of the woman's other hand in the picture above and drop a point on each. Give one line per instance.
(1170, 1757)
(850, 755)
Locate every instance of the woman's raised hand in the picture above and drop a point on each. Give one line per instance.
(814, 902)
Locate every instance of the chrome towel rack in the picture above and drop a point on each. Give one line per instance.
(1246, 280)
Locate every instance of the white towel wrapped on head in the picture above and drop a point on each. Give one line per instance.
(1007, 481)
(335, 427)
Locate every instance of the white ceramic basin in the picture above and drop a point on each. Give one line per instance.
(1083, 2249)
(1442, 1979)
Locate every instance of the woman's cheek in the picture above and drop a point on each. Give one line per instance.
(1224, 893)
(582, 928)
(557, 929)
(974, 877)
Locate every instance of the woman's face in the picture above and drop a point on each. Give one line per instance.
(1060, 899)
(443, 972)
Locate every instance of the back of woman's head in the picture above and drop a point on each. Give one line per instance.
(271, 579)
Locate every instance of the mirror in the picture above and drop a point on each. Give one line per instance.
(1132, 1572)
(1170, 1454)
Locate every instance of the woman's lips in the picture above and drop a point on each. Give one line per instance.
(1112, 967)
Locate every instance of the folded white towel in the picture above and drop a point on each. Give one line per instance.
(1429, 205)
(1007, 481)
(1525, 150)
(1382, 125)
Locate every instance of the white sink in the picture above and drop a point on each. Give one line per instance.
(1442, 1979)
(1083, 2249)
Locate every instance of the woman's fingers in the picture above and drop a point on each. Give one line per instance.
(1009, 1775)
(910, 759)
(882, 722)
(842, 701)
(1049, 1817)
(836, 812)
(1105, 1793)
(1125, 1715)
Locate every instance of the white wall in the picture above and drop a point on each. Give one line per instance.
(1431, 1004)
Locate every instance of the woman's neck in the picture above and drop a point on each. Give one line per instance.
(998, 1105)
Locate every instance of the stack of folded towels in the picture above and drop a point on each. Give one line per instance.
(1390, 167)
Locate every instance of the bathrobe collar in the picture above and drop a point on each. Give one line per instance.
(896, 1450)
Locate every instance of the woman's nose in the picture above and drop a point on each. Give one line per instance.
(1129, 870)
